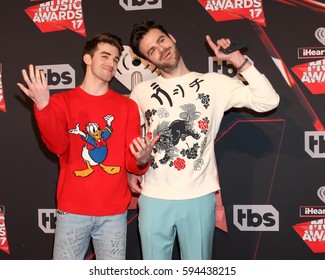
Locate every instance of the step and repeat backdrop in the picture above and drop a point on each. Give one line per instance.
(271, 166)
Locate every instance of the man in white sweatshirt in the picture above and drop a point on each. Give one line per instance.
(185, 109)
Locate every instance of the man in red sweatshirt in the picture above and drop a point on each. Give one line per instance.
(95, 133)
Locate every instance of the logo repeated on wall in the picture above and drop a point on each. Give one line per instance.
(314, 211)
(311, 52)
(226, 68)
(132, 5)
(2, 99)
(47, 220)
(132, 69)
(256, 218)
(3, 233)
(59, 76)
(312, 74)
(313, 232)
(315, 143)
(58, 15)
(224, 10)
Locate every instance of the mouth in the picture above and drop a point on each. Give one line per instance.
(165, 55)
(108, 69)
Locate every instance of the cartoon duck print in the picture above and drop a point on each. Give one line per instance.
(95, 151)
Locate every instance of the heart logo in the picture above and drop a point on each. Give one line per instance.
(321, 193)
(320, 35)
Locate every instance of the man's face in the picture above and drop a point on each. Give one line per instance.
(104, 62)
(160, 50)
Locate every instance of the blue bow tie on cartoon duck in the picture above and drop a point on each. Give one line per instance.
(98, 152)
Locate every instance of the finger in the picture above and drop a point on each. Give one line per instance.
(31, 72)
(43, 78)
(139, 179)
(212, 45)
(26, 77)
(225, 43)
(37, 74)
(139, 143)
(133, 151)
(136, 189)
(154, 140)
(23, 88)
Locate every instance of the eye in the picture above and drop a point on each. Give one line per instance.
(92, 128)
(151, 51)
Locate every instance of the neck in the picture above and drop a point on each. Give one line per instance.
(94, 87)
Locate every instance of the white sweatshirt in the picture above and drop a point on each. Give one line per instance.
(186, 112)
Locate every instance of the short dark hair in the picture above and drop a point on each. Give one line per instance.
(91, 45)
(139, 30)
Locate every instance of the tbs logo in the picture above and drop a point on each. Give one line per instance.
(131, 5)
(59, 76)
(315, 144)
(47, 220)
(256, 218)
(224, 67)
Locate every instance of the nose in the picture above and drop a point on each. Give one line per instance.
(160, 48)
(110, 61)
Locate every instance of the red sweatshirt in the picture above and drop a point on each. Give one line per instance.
(91, 136)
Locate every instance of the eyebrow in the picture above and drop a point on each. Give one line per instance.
(104, 52)
(109, 54)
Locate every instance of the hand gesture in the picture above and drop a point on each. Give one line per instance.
(236, 57)
(141, 149)
(37, 88)
(109, 119)
(77, 131)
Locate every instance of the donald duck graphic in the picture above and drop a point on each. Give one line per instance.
(95, 151)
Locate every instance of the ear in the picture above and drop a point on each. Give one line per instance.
(172, 37)
(87, 59)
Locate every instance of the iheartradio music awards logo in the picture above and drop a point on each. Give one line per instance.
(3, 233)
(132, 69)
(2, 100)
(58, 15)
(224, 10)
(312, 74)
(313, 232)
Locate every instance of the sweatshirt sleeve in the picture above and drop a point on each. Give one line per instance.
(52, 123)
(132, 132)
(259, 95)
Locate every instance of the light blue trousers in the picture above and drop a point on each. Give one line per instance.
(73, 234)
(193, 220)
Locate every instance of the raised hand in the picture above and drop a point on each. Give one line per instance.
(37, 88)
(236, 57)
(141, 149)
